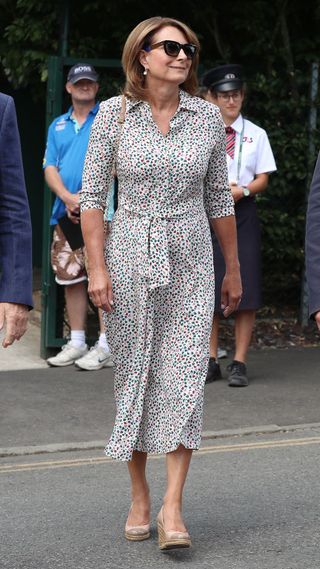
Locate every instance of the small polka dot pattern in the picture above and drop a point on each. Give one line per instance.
(159, 256)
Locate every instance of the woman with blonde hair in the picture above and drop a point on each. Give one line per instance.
(153, 276)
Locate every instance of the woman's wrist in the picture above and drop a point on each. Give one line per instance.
(97, 270)
(232, 266)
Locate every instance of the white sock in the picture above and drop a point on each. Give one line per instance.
(78, 338)
(103, 342)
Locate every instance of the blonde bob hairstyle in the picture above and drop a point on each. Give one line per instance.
(141, 36)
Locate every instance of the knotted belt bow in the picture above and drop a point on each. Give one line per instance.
(153, 258)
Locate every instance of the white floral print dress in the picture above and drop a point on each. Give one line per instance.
(159, 256)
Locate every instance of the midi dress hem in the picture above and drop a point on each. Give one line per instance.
(170, 448)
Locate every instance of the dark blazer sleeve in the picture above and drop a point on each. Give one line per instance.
(312, 246)
(15, 223)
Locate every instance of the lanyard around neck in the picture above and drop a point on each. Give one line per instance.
(240, 151)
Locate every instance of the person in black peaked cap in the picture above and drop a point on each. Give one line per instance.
(250, 161)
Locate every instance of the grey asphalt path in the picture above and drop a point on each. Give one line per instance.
(62, 405)
(24, 354)
(247, 506)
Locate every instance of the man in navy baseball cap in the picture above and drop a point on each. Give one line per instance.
(82, 71)
(68, 138)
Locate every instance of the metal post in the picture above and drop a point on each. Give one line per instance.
(63, 43)
(311, 157)
(52, 295)
(48, 296)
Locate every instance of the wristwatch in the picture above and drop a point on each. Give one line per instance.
(246, 191)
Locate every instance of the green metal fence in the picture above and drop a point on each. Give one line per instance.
(52, 297)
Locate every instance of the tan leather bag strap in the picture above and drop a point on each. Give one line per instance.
(121, 120)
(122, 115)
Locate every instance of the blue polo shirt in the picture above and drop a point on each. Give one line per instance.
(66, 149)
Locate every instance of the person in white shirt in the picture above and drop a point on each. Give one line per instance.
(250, 161)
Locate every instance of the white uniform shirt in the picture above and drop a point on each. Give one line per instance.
(256, 156)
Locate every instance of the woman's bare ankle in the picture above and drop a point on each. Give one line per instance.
(139, 512)
(172, 513)
(140, 495)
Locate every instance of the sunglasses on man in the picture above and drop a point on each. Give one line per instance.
(173, 48)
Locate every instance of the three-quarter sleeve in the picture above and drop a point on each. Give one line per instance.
(218, 200)
(97, 172)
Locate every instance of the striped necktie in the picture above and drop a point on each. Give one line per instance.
(231, 140)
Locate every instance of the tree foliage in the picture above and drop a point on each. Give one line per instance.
(275, 40)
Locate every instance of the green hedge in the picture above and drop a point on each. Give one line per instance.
(282, 206)
(275, 41)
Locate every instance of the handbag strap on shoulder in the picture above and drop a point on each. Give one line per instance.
(122, 115)
(121, 119)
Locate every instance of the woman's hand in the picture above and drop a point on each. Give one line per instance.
(231, 292)
(237, 192)
(100, 289)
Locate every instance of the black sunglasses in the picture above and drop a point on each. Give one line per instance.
(173, 48)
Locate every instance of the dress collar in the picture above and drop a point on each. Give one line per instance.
(186, 102)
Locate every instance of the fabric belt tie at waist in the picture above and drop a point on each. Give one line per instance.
(153, 253)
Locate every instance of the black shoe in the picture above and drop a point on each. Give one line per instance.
(214, 371)
(238, 374)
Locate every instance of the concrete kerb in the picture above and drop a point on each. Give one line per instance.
(51, 448)
(99, 445)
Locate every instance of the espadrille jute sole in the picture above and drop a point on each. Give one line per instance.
(137, 537)
(174, 543)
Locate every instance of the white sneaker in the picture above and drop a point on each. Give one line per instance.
(68, 355)
(96, 358)
(222, 353)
